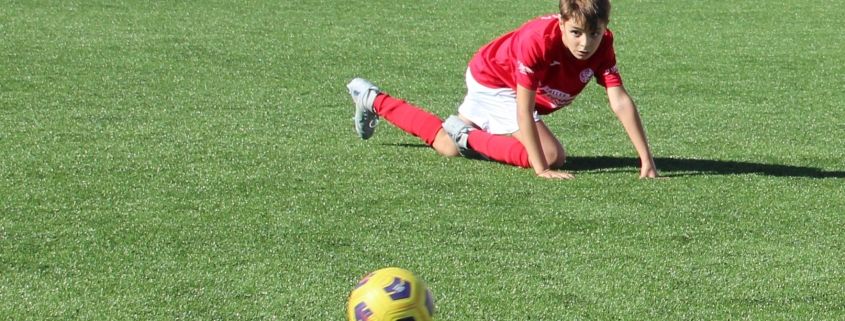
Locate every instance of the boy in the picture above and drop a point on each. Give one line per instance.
(534, 70)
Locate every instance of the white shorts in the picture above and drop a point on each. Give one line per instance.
(493, 110)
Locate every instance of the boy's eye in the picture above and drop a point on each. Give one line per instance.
(575, 33)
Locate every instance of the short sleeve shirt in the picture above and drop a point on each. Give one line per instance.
(534, 57)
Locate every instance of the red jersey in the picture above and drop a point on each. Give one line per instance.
(534, 57)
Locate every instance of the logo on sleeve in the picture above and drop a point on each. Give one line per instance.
(524, 69)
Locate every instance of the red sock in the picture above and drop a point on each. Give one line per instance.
(499, 148)
(412, 119)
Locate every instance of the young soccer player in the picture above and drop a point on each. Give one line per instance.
(512, 81)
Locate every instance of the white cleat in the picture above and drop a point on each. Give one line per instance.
(364, 94)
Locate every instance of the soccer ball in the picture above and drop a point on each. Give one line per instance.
(390, 294)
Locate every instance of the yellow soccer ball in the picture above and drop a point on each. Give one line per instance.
(390, 294)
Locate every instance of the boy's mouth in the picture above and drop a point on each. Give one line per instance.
(582, 53)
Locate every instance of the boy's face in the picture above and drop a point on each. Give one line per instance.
(581, 41)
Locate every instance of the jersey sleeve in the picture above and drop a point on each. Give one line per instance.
(607, 74)
(528, 63)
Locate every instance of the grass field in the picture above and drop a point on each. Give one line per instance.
(195, 160)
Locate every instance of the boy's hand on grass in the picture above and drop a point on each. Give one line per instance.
(550, 174)
(649, 172)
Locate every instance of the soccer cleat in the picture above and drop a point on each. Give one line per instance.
(364, 94)
(458, 131)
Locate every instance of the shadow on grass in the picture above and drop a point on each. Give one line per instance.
(684, 166)
(689, 167)
(413, 145)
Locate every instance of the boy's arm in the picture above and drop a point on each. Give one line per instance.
(624, 108)
(525, 99)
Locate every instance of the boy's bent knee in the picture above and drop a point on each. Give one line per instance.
(556, 159)
(451, 155)
(448, 153)
(558, 162)
(444, 146)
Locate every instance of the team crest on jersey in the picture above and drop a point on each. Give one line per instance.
(586, 75)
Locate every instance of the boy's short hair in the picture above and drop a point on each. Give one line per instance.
(591, 12)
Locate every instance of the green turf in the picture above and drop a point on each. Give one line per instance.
(195, 160)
